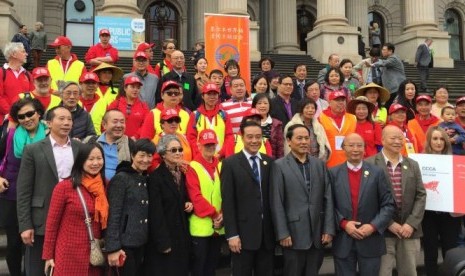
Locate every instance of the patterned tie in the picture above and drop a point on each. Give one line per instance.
(301, 88)
(255, 168)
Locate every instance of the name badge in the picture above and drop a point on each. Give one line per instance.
(338, 142)
(186, 86)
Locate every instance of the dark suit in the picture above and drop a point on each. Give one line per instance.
(278, 110)
(303, 212)
(36, 180)
(423, 59)
(375, 206)
(191, 97)
(297, 93)
(246, 214)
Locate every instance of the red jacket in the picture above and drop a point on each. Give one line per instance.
(371, 134)
(134, 118)
(12, 87)
(99, 51)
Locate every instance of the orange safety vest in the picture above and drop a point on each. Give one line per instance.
(418, 133)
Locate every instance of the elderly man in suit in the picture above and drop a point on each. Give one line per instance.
(392, 70)
(403, 237)
(363, 206)
(245, 190)
(301, 205)
(422, 61)
(43, 165)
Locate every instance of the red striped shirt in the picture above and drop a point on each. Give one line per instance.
(396, 180)
(236, 111)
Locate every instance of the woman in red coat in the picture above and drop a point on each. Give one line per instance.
(66, 244)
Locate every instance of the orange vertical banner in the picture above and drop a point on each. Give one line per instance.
(227, 37)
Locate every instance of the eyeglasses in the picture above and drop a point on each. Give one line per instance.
(174, 150)
(28, 114)
(68, 94)
(174, 120)
(176, 58)
(287, 84)
(172, 93)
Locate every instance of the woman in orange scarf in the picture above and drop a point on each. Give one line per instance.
(66, 245)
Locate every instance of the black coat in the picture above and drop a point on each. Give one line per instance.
(168, 226)
(278, 111)
(191, 97)
(82, 123)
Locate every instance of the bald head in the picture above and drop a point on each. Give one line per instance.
(392, 139)
(177, 60)
(354, 147)
(390, 129)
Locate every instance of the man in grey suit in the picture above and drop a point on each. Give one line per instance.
(392, 70)
(364, 207)
(43, 165)
(403, 237)
(301, 205)
(422, 61)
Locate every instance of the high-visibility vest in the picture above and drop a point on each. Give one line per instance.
(109, 96)
(98, 111)
(381, 115)
(239, 145)
(217, 125)
(418, 132)
(54, 100)
(349, 124)
(182, 128)
(211, 192)
(56, 72)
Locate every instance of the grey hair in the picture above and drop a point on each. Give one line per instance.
(11, 48)
(62, 85)
(40, 24)
(164, 142)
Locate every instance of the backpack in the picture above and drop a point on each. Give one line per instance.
(4, 74)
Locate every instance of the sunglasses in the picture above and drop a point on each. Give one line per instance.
(28, 114)
(174, 120)
(174, 150)
(172, 94)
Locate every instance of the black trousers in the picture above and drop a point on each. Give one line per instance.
(439, 230)
(133, 264)
(348, 266)
(206, 254)
(253, 262)
(15, 247)
(302, 262)
(33, 263)
(423, 71)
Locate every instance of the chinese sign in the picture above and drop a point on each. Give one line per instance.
(126, 33)
(227, 37)
(444, 181)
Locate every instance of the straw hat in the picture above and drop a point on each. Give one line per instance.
(384, 94)
(117, 72)
(360, 99)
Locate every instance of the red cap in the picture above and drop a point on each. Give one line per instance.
(460, 100)
(252, 112)
(89, 76)
(140, 54)
(40, 72)
(169, 83)
(337, 94)
(207, 136)
(396, 107)
(132, 80)
(61, 41)
(144, 46)
(210, 86)
(424, 98)
(104, 31)
(169, 113)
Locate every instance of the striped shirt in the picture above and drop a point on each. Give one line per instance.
(236, 111)
(395, 174)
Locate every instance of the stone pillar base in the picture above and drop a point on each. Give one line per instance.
(255, 54)
(327, 40)
(9, 22)
(120, 9)
(407, 44)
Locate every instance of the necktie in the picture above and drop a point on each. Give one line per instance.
(255, 168)
(301, 87)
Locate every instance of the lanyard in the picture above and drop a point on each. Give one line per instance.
(67, 65)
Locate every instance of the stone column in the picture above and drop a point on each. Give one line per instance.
(9, 21)
(127, 8)
(200, 8)
(285, 27)
(357, 14)
(420, 24)
(332, 33)
(265, 25)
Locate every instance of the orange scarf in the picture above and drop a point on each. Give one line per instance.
(95, 187)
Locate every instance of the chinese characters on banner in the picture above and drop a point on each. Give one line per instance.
(444, 181)
(227, 37)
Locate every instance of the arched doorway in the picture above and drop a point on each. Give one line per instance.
(161, 22)
(79, 22)
(305, 22)
(376, 17)
(453, 25)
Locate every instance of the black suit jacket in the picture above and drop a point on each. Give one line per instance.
(279, 112)
(191, 98)
(246, 212)
(296, 92)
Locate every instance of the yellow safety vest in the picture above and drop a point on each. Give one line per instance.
(211, 192)
(217, 125)
(97, 113)
(239, 145)
(109, 97)
(182, 126)
(56, 72)
(54, 100)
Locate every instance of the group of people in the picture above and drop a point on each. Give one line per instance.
(170, 165)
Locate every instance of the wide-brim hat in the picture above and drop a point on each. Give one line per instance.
(352, 105)
(384, 94)
(117, 72)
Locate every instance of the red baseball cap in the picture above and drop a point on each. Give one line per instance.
(144, 46)
(337, 94)
(140, 54)
(104, 31)
(61, 41)
(207, 136)
(40, 72)
(210, 86)
(396, 107)
(89, 76)
(169, 83)
(460, 100)
(132, 80)
(169, 113)
(424, 98)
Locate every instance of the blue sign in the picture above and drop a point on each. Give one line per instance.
(126, 32)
